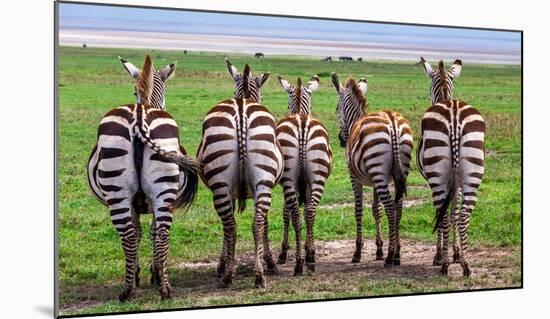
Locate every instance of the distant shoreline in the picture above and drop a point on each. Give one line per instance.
(276, 46)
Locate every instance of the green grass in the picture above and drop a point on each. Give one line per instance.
(92, 81)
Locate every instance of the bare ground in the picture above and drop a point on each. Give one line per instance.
(197, 285)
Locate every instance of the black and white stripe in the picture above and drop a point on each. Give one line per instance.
(136, 166)
(451, 156)
(240, 158)
(308, 164)
(379, 146)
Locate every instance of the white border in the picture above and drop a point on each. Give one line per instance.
(26, 165)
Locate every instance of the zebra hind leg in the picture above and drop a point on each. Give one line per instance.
(377, 214)
(358, 193)
(437, 256)
(268, 257)
(286, 221)
(389, 206)
(155, 274)
(137, 225)
(456, 248)
(121, 217)
(311, 211)
(261, 207)
(225, 208)
(464, 218)
(445, 229)
(297, 224)
(399, 211)
(163, 220)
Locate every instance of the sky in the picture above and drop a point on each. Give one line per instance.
(93, 17)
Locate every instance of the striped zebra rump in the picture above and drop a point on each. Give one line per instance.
(451, 153)
(157, 143)
(307, 153)
(238, 140)
(380, 145)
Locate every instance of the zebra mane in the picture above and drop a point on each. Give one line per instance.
(145, 81)
(298, 94)
(359, 96)
(443, 80)
(246, 83)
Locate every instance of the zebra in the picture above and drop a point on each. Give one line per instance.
(450, 156)
(378, 150)
(138, 165)
(241, 158)
(308, 164)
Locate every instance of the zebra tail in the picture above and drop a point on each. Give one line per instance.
(186, 162)
(452, 195)
(301, 176)
(399, 180)
(301, 189)
(241, 140)
(191, 186)
(447, 202)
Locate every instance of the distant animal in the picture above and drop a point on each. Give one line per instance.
(378, 149)
(138, 166)
(84, 45)
(360, 59)
(450, 156)
(308, 164)
(258, 55)
(184, 51)
(241, 159)
(327, 59)
(345, 58)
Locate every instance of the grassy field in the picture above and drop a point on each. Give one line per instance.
(92, 81)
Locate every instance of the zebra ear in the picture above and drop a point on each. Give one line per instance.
(427, 67)
(130, 68)
(313, 83)
(455, 69)
(167, 71)
(232, 70)
(262, 78)
(285, 84)
(337, 84)
(362, 85)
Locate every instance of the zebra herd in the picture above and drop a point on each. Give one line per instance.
(138, 166)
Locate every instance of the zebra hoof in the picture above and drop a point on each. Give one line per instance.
(220, 270)
(310, 269)
(136, 276)
(165, 293)
(437, 260)
(155, 276)
(299, 268)
(456, 257)
(379, 254)
(282, 259)
(444, 271)
(260, 281)
(125, 295)
(466, 271)
(272, 269)
(225, 281)
(356, 257)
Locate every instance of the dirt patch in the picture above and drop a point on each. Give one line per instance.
(335, 276)
(409, 202)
